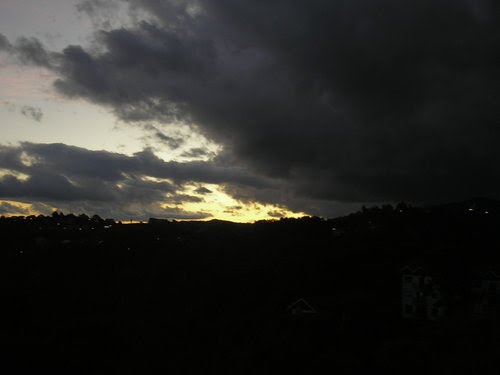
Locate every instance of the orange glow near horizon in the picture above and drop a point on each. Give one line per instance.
(216, 205)
(23, 209)
(222, 206)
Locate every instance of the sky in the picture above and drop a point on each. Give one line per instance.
(244, 110)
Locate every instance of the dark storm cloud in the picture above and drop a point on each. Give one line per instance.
(34, 113)
(144, 60)
(182, 198)
(100, 181)
(45, 185)
(96, 169)
(4, 43)
(348, 101)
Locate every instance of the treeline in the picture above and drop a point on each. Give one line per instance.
(58, 218)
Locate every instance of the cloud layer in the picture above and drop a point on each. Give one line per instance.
(34, 113)
(102, 181)
(337, 101)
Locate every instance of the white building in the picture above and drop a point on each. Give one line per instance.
(487, 293)
(421, 298)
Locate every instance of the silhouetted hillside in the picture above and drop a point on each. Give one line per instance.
(87, 295)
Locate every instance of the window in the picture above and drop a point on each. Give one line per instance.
(492, 286)
(408, 279)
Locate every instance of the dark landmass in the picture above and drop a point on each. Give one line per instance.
(83, 295)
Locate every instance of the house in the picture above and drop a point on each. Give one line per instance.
(301, 307)
(340, 309)
(486, 291)
(421, 297)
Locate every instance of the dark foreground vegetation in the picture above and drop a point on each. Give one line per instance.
(82, 295)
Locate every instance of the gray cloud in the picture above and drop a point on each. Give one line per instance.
(4, 43)
(276, 214)
(341, 101)
(8, 208)
(233, 210)
(203, 190)
(31, 51)
(94, 7)
(169, 141)
(77, 166)
(34, 113)
(196, 152)
(100, 181)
